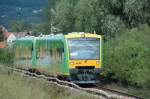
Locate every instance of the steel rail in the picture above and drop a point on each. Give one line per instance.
(118, 92)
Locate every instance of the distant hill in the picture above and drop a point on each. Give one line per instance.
(26, 10)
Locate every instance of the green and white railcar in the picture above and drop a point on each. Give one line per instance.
(76, 56)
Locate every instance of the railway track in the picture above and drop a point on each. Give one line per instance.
(121, 95)
(101, 92)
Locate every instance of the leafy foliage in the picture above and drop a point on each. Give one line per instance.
(112, 26)
(65, 15)
(91, 20)
(136, 11)
(1, 34)
(6, 56)
(74, 16)
(49, 15)
(19, 26)
(127, 57)
(105, 17)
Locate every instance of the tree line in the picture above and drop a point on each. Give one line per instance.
(106, 17)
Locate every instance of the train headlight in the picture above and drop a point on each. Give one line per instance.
(83, 35)
(71, 63)
(97, 62)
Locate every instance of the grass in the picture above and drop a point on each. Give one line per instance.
(14, 86)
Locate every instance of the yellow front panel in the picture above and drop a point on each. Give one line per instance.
(76, 63)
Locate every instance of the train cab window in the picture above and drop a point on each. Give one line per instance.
(84, 48)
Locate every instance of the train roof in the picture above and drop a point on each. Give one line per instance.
(42, 40)
(52, 40)
(24, 41)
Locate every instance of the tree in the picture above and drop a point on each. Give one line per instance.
(75, 17)
(136, 12)
(65, 18)
(19, 26)
(86, 20)
(112, 26)
(105, 17)
(39, 29)
(49, 14)
(1, 33)
(127, 57)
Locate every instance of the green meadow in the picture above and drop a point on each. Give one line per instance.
(16, 86)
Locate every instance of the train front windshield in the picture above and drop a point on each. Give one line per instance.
(84, 48)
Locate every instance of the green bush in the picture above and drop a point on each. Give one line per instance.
(6, 56)
(127, 57)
